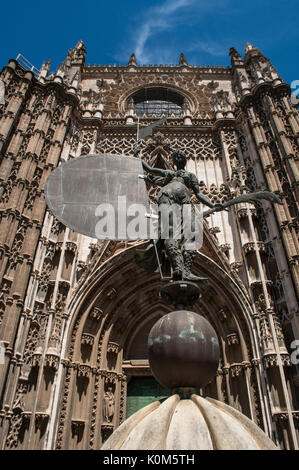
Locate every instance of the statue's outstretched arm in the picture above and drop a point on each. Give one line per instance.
(153, 171)
(203, 199)
(216, 207)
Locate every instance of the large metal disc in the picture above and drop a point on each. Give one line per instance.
(89, 190)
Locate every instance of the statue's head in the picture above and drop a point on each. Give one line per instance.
(179, 159)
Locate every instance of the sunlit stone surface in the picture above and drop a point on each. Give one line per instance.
(194, 424)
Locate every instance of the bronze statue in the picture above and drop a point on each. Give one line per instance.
(176, 186)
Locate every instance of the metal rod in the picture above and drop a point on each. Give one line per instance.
(158, 259)
(137, 130)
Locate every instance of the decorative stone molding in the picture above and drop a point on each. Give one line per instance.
(88, 339)
(236, 266)
(250, 247)
(107, 430)
(58, 246)
(41, 419)
(71, 246)
(271, 360)
(242, 212)
(96, 314)
(83, 370)
(112, 347)
(64, 283)
(256, 361)
(283, 417)
(257, 284)
(65, 362)
(232, 338)
(77, 426)
(82, 265)
(122, 401)
(236, 369)
(110, 377)
(204, 146)
(36, 359)
(26, 415)
(286, 361)
(225, 247)
(94, 418)
(52, 361)
(93, 246)
(214, 230)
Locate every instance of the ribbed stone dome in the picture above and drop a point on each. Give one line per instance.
(188, 424)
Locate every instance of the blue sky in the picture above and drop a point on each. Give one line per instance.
(157, 31)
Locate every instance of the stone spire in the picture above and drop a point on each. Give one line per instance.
(77, 55)
(259, 67)
(132, 60)
(251, 51)
(73, 62)
(248, 47)
(45, 68)
(241, 81)
(236, 59)
(183, 60)
(44, 71)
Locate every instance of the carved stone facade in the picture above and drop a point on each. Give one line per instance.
(75, 312)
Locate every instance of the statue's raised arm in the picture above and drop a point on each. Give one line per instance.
(195, 185)
(153, 171)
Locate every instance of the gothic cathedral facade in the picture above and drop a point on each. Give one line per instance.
(75, 312)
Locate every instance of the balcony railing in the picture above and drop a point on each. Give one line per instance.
(26, 64)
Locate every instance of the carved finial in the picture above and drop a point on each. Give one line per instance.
(80, 45)
(248, 47)
(236, 59)
(132, 60)
(77, 55)
(45, 69)
(234, 53)
(183, 60)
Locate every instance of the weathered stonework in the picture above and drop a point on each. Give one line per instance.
(75, 312)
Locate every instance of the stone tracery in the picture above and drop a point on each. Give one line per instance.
(69, 305)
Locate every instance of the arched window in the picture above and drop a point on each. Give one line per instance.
(158, 102)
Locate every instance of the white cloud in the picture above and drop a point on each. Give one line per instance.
(168, 15)
(159, 19)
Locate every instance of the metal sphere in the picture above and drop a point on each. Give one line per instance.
(183, 350)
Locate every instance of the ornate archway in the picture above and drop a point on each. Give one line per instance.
(105, 346)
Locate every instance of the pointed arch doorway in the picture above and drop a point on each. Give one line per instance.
(105, 348)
